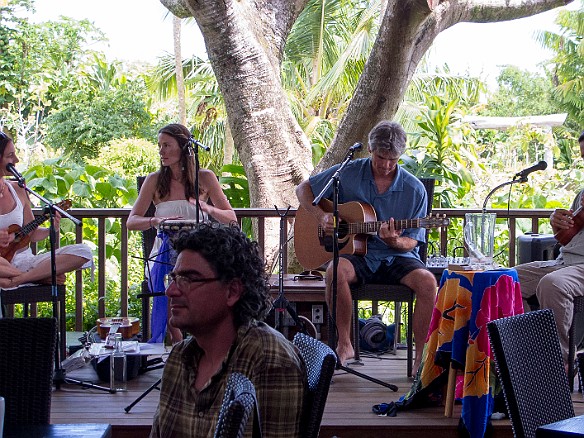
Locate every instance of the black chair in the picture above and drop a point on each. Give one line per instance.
(527, 346)
(38, 293)
(320, 363)
(572, 339)
(396, 293)
(27, 354)
(239, 404)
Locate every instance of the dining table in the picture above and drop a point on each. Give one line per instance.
(458, 343)
(85, 430)
(568, 428)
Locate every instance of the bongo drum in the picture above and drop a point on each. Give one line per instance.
(175, 225)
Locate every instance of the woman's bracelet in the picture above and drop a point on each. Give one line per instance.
(151, 222)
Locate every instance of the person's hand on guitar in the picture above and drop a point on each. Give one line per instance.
(5, 237)
(561, 219)
(327, 222)
(393, 237)
(388, 233)
(57, 221)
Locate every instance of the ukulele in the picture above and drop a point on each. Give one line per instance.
(22, 234)
(127, 326)
(564, 236)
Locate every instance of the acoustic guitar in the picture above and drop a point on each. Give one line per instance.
(22, 234)
(127, 326)
(357, 221)
(564, 236)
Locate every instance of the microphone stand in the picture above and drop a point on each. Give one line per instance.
(516, 179)
(194, 146)
(59, 376)
(334, 181)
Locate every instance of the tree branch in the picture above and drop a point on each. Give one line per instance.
(488, 11)
(178, 8)
(407, 31)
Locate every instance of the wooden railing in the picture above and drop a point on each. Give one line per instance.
(259, 217)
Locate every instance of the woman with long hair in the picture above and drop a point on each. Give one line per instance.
(15, 209)
(172, 190)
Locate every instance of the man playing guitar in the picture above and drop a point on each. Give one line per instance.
(557, 282)
(392, 255)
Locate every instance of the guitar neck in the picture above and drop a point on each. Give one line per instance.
(31, 226)
(373, 227)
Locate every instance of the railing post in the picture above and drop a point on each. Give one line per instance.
(124, 268)
(101, 286)
(79, 286)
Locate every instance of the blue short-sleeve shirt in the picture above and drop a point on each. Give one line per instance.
(405, 199)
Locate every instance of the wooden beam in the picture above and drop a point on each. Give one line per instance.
(486, 122)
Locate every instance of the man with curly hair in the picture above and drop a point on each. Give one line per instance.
(219, 292)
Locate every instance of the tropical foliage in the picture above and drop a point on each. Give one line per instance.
(102, 104)
(567, 65)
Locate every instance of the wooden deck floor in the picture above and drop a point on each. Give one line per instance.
(347, 414)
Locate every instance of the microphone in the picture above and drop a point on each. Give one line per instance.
(542, 165)
(10, 168)
(194, 142)
(356, 147)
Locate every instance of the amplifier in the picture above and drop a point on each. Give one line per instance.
(532, 247)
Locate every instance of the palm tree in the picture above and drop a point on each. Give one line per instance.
(180, 83)
(568, 62)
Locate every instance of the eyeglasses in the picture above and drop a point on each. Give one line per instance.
(185, 283)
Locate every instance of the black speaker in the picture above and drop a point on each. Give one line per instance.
(102, 367)
(532, 247)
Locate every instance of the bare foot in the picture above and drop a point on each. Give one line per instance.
(417, 359)
(345, 352)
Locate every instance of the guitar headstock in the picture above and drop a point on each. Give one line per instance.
(434, 221)
(65, 204)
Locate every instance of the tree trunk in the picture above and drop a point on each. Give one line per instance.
(178, 68)
(245, 41)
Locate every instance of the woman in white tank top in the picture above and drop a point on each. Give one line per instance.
(172, 190)
(15, 209)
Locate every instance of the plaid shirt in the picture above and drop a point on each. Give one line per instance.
(270, 361)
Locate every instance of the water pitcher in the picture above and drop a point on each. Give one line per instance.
(479, 239)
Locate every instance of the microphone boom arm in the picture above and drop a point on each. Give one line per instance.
(520, 177)
(513, 181)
